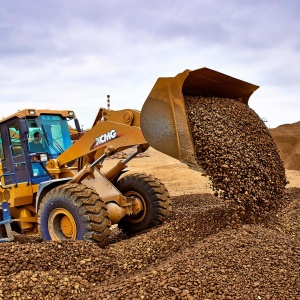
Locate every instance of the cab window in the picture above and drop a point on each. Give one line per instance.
(54, 131)
(15, 141)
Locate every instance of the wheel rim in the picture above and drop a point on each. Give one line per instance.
(141, 215)
(62, 225)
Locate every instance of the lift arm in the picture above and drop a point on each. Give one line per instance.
(113, 132)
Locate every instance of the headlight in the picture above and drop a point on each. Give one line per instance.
(43, 157)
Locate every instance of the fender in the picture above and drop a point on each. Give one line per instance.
(47, 186)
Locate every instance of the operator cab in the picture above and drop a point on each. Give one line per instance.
(28, 139)
(48, 138)
(53, 133)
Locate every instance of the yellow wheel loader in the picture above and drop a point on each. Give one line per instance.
(55, 186)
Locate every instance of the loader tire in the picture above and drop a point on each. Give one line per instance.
(154, 197)
(74, 212)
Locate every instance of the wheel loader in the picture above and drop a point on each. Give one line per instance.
(53, 185)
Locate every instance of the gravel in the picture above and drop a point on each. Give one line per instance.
(196, 254)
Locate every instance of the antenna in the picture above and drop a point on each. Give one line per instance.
(108, 102)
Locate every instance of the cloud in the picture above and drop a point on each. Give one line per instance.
(71, 54)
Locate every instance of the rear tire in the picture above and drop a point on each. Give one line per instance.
(152, 193)
(74, 212)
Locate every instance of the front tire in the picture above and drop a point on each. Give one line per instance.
(154, 197)
(74, 212)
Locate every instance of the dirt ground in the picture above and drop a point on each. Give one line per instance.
(178, 177)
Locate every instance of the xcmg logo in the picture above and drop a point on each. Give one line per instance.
(106, 137)
(103, 138)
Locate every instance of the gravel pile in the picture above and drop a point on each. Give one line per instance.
(237, 151)
(195, 254)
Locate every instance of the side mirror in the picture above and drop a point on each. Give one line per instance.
(77, 125)
(23, 127)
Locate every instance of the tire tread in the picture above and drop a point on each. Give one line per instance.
(91, 209)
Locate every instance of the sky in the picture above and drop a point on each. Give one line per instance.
(71, 54)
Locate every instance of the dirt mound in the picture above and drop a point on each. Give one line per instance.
(287, 138)
(196, 254)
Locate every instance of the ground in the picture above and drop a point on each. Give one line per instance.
(178, 177)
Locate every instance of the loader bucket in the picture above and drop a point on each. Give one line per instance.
(164, 120)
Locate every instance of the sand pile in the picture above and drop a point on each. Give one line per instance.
(287, 138)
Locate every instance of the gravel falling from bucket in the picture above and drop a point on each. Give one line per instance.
(234, 147)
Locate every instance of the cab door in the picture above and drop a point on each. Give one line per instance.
(14, 164)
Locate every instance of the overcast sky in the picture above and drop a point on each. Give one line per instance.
(70, 54)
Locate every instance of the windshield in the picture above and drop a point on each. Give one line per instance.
(49, 133)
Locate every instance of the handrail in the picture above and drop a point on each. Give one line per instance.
(14, 164)
(4, 186)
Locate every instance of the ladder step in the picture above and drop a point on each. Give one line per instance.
(5, 225)
(5, 222)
